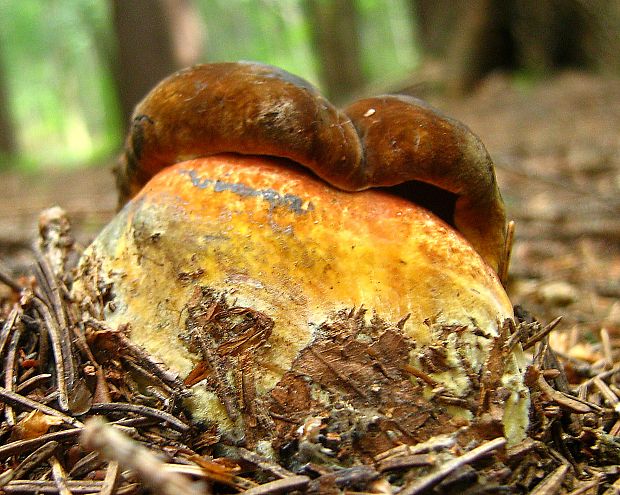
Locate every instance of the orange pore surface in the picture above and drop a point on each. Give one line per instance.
(264, 234)
(271, 231)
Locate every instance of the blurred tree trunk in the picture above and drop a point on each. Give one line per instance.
(334, 26)
(188, 30)
(604, 39)
(152, 43)
(479, 44)
(435, 19)
(475, 37)
(8, 143)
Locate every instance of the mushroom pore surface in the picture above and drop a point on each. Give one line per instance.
(287, 257)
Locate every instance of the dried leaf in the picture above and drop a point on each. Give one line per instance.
(34, 425)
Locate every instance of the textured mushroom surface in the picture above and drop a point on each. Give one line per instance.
(241, 274)
(290, 261)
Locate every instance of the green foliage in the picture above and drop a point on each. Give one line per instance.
(388, 46)
(59, 87)
(267, 31)
(57, 56)
(276, 32)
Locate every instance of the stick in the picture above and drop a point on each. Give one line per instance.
(56, 338)
(7, 328)
(60, 477)
(10, 372)
(17, 400)
(264, 463)
(146, 361)
(111, 479)
(406, 461)
(538, 336)
(284, 485)
(33, 380)
(151, 412)
(551, 484)
(115, 446)
(27, 486)
(564, 401)
(432, 479)
(40, 455)
(20, 446)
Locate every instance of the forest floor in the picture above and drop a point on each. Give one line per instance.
(557, 149)
(556, 144)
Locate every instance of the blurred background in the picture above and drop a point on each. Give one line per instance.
(538, 80)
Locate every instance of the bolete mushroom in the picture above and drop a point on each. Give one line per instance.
(254, 109)
(262, 215)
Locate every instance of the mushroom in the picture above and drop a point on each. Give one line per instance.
(387, 141)
(273, 256)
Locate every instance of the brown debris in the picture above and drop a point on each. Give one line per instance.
(355, 375)
(228, 337)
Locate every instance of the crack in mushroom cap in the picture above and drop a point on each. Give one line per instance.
(396, 142)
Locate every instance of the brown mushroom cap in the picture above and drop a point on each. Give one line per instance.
(245, 108)
(389, 141)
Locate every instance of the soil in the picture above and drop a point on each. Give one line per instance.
(556, 144)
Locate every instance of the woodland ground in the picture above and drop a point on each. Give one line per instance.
(556, 144)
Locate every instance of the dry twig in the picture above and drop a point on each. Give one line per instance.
(551, 484)
(445, 469)
(284, 485)
(17, 400)
(114, 446)
(150, 412)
